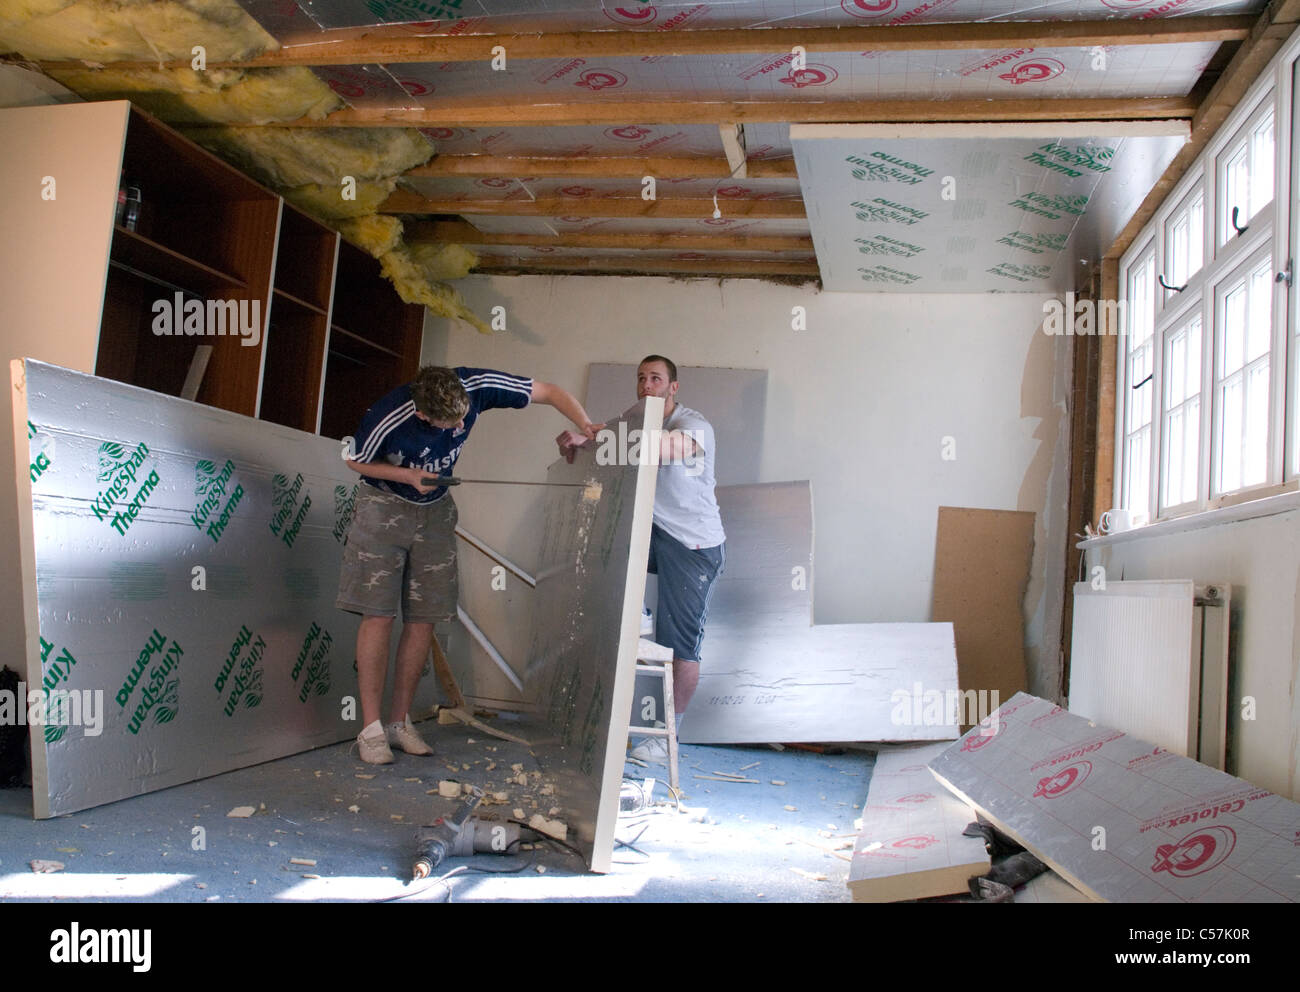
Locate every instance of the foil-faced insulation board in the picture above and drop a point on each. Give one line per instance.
(492, 16)
(581, 666)
(960, 210)
(1119, 817)
(911, 844)
(179, 570)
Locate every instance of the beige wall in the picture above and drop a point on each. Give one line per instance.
(859, 403)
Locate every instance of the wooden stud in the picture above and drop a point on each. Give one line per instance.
(405, 202)
(459, 232)
(397, 45)
(638, 265)
(526, 112)
(603, 166)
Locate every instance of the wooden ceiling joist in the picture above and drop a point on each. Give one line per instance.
(600, 167)
(695, 207)
(526, 113)
(459, 232)
(397, 45)
(642, 264)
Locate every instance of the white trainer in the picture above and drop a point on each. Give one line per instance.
(654, 749)
(405, 736)
(373, 745)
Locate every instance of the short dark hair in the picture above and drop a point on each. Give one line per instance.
(439, 394)
(668, 362)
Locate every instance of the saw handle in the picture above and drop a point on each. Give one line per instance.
(439, 480)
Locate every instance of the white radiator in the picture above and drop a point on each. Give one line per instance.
(1151, 659)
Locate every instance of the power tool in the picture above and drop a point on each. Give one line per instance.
(461, 835)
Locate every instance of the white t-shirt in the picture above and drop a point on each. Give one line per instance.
(685, 506)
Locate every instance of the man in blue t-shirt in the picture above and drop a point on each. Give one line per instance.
(401, 544)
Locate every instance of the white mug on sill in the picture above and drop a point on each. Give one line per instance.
(1116, 521)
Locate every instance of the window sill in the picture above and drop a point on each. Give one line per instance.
(1265, 507)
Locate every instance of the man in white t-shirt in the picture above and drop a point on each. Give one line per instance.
(687, 543)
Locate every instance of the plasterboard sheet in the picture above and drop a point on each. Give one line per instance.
(587, 606)
(1135, 660)
(1131, 71)
(981, 571)
(135, 491)
(734, 401)
(526, 188)
(1174, 829)
(952, 214)
(831, 682)
(490, 224)
(490, 16)
(911, 844)
(767, 583)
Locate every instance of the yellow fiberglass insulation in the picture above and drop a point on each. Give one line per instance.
(376, 234)
(442, 261)
(414, 286)
(218, 96)
(329, 204)
(323, 155)
(125, 30)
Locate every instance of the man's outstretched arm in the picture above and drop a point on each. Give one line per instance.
(567, 404)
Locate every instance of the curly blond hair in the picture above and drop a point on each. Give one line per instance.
(439, 394)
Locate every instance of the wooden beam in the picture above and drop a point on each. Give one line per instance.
(604, 167)
(1103, 496)
(1265, 39)
(397, 45)
(633, 264)
(461, 233)
(525, 112)
(404, 202)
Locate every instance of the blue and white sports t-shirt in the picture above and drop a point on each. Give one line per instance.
(391, 432)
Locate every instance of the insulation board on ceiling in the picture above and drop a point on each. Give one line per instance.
(911, 844)
(1121, 818)
(966, 212)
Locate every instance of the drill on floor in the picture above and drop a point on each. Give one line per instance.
(462, 835)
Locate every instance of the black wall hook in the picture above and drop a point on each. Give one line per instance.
(1173, 289)
(1240, 230)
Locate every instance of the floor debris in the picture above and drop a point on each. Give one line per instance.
(43, 866)
(242, 812)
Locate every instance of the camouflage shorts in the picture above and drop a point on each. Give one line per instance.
(397, 550)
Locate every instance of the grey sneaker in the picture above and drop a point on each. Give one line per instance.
(653, 749)
(405, 736)
(373, 745)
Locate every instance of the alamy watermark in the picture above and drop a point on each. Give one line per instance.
(1084, 317)
(206, 318)
(922, 707)
(638, 447)
(53, 708)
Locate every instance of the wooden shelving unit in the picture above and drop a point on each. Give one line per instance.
(374, 342)
(333, 336)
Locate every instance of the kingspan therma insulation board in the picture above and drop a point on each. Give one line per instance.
(587, 609)
(911, 844)
(180, 562)
(1120, 818)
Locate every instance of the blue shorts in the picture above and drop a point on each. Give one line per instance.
(686, 580)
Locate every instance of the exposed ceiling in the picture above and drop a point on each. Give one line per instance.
(549, 120)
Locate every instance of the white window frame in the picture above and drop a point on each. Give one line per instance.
(1272, 229)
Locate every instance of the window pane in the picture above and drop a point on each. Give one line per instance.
(1255, 442)
(1232, 342)
(1186, 241)
(1261, 298)
(1236, 192)
(1230, 419)
(1261, 155)
(1181, 462)
(1137, 472)
(1191, 450)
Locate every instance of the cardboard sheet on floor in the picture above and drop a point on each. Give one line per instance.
(587, 608)
(831, 682)
(981, 570)
(179, 566)
(911, 844)
(1120, 818)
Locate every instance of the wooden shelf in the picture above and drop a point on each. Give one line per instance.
(153, 259)
(289, 297)
(365, 341)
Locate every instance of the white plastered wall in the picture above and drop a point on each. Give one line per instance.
(859, 403)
